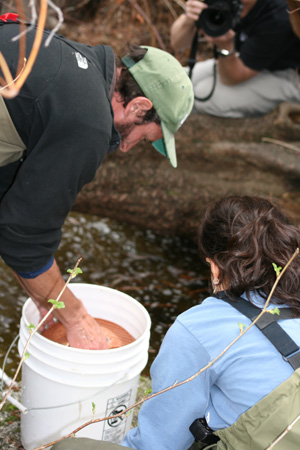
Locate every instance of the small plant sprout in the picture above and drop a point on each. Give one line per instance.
(148, 391)
(241, 327)
(56, 304)
(26, 356)
(74, 272)
(31, 327)
(274, 311)
(93, 408)
(277, 269)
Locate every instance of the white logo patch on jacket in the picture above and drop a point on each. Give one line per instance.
(81, 61)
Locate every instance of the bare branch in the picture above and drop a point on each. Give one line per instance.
(60, 21)
(12, 89)
(284, 433)
(147, 19)
(283, 144)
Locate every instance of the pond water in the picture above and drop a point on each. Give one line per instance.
(163, 273)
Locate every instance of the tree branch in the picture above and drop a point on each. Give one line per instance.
(32, 333)
(176, 384)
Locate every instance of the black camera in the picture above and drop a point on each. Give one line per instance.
(220, 16)
(202, 432)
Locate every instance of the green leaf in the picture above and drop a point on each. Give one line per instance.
(93, 408)
(74, 272)
(56, 304)
(31, 326)
(274, 311)
(241, 326)
(277, 269)
(26, 356)
(148, 391)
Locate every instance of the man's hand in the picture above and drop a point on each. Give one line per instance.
(225, 41)
(86, 333)
(82, 330)
(184, 28)
(193, 9)
(231, 69)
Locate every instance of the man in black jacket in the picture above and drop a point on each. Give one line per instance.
(78, 104)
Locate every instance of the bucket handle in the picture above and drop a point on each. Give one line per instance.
(24, 410)
(7, 380)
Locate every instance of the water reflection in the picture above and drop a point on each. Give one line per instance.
(163, 273)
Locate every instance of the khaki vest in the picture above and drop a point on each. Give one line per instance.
(258, 427)
(11, 145)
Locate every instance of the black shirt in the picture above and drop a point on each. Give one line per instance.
(64, 116)
(265, 39)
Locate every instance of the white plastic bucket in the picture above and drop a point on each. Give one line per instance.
(59, 383)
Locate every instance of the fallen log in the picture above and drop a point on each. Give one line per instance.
(216, 157)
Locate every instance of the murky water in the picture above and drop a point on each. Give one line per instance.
(164, 274)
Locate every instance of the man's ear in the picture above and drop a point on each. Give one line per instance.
(138, 107)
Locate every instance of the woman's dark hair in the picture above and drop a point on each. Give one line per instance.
(244, 236)
(128, 87)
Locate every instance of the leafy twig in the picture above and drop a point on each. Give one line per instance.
(56, 304)
(279, 274)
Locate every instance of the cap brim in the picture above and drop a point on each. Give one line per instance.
(166, 146)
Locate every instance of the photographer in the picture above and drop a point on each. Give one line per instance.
(255, 60)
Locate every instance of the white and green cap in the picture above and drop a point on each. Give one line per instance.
(165, 82)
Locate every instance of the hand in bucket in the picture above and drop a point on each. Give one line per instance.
(86, 333)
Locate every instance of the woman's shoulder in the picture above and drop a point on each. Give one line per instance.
(213, 317)
(210, 307)
(216, 322)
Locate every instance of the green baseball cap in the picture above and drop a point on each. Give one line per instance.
(165, 82)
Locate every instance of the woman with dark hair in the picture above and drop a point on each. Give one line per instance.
(241, 238)
(250, 393)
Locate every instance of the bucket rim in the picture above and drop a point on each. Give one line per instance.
(136, 342)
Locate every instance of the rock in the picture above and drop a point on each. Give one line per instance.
(216, 157)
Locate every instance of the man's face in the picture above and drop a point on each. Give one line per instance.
(132, 134)
(127, 120)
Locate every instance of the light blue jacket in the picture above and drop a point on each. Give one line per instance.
(247, 372)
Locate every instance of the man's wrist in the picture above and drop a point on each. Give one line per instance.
(223, 52)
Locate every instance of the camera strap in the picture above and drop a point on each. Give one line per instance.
(192, 58)
(192, 61)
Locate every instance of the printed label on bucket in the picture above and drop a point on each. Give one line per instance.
(114, 429)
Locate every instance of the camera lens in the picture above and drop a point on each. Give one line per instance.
(216, 18)
(215, 22)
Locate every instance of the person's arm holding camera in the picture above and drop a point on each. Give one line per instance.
(231, 68)
(184, 28)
